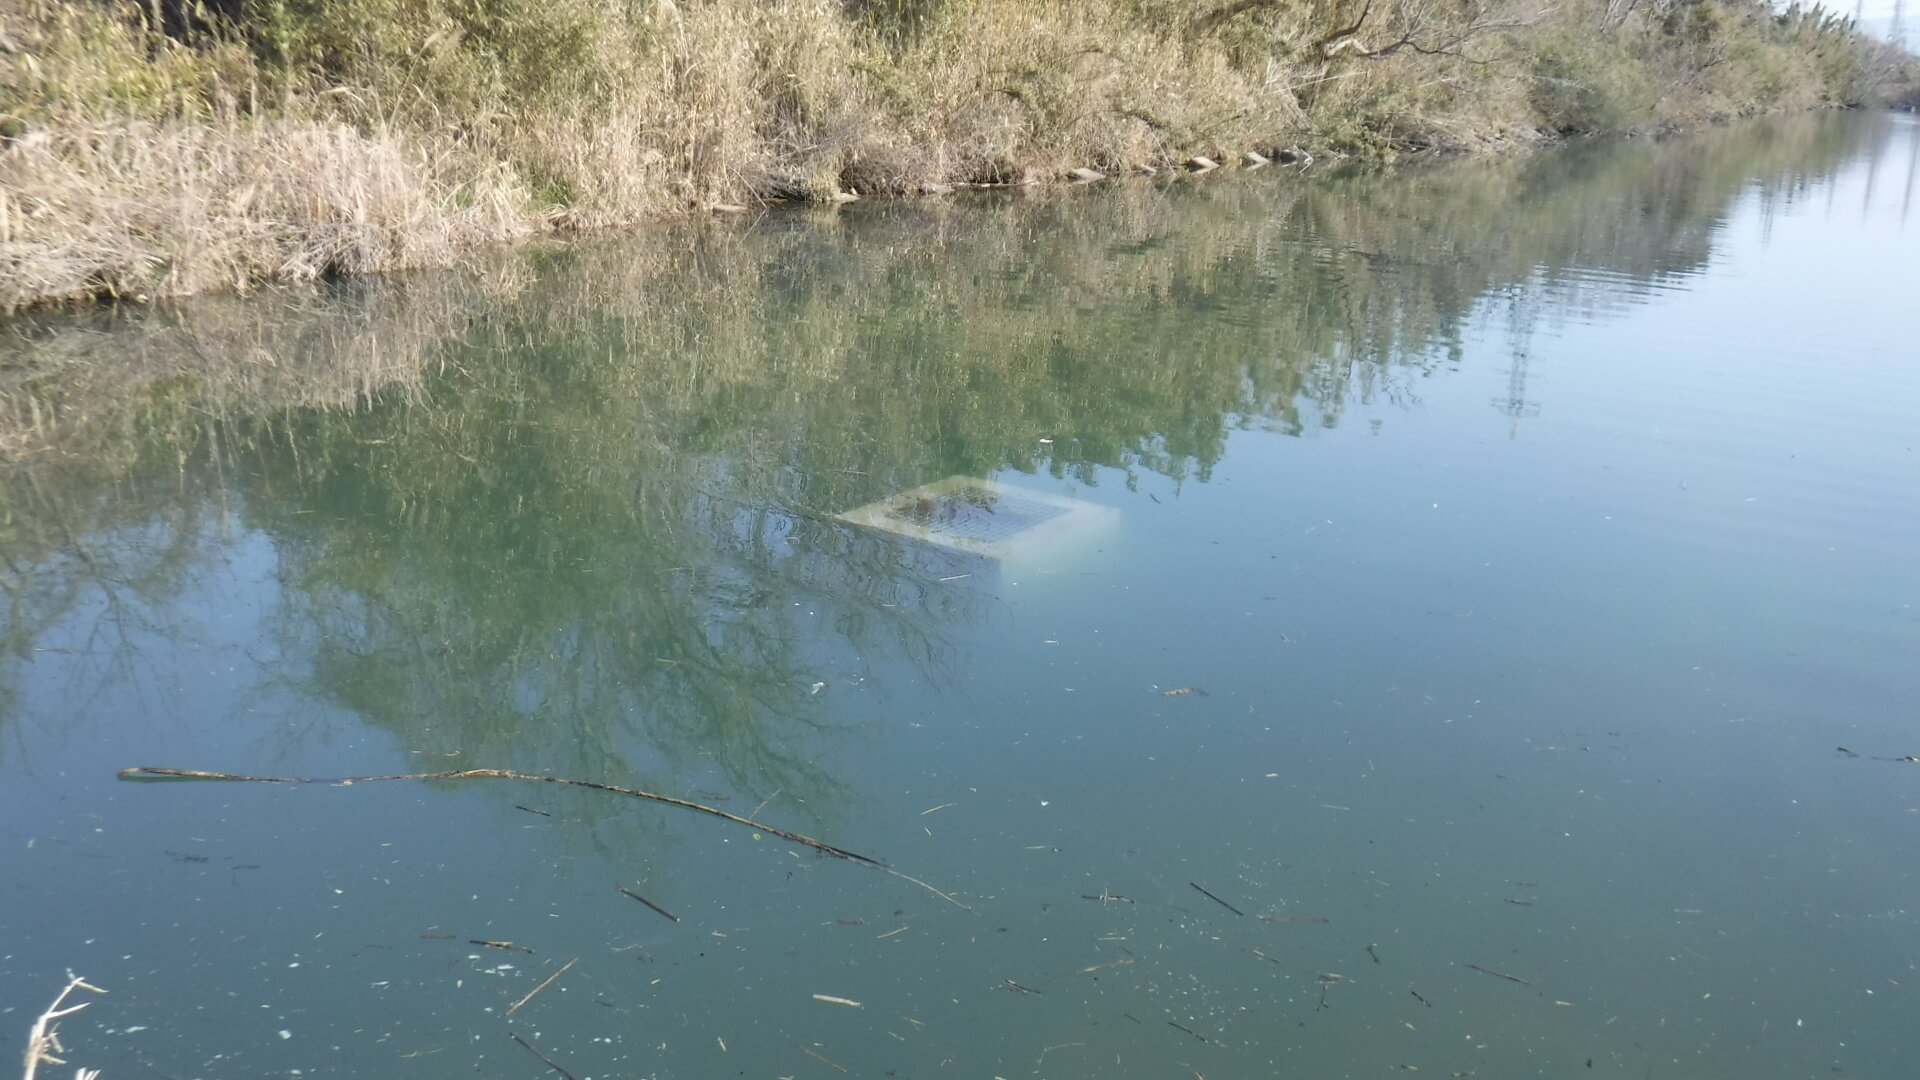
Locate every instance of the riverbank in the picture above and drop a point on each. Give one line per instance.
(168, 149)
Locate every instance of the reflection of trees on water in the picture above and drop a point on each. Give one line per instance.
(92, 587)
(615, 624)
(574, 513)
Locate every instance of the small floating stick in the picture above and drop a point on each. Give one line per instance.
(1500, 975)
(551, 1064)
(648, 902)
(1217, 900)
(150, 773)
(548, 981)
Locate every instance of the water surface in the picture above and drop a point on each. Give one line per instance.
(1527, 535)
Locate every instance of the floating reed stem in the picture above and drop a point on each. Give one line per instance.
(151, 773)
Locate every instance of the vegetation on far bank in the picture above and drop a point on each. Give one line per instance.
(165, 147)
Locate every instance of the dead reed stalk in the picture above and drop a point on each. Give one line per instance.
(43, 1039)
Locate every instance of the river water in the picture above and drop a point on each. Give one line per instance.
(1460, 621)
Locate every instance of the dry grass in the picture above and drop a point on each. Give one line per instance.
(144, 209)
(355, 136)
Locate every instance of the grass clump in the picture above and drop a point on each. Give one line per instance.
(164, 147)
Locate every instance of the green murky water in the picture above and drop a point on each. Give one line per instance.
(1529, 535)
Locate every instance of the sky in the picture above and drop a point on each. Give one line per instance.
(1876, 15)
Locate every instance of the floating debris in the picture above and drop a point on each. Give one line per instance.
(144, 774)
(507, 945)
(1188, 1030)
(833, 999)
(1327, 979)
(1184, 691)
(535, 1051)
(823, 1059)
(515, 1007)
(977, 515)
(648, 902)
(1217, 900)
(1500, 975)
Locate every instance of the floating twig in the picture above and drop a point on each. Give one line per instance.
(1517, 903)
(1183, 691)
(1217, 900)
(1283, 919)
(531, 810)
(648, 902)
(1327, 978)
(1009, 984)
(1375, 955)
(1500, 975)
(1050, 1049)
(1263, 956)
(1122, 962)
(150, 773)
(1108, 898)
(1418, 998)
(535, 1051)
(823, 1058)
(903, 876)
(832, 999)
(506, 945)
(548, 981)
(1188, 1030)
